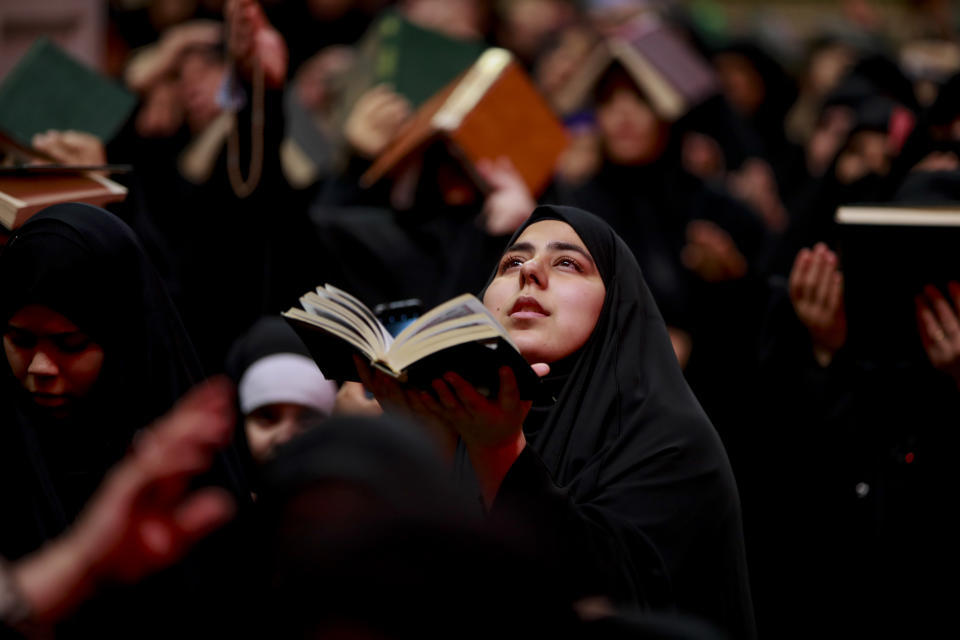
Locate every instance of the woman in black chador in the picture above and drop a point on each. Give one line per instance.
(94, 350)
(618, 474)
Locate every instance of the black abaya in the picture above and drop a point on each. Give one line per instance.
(86, 264)
(624, 466)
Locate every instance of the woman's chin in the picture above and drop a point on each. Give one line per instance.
(534, 353)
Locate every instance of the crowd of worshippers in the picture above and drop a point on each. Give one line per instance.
(725, 446)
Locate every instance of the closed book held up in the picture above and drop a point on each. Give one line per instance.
(48, 89)
(24, 192)
(493, 110)
(887, 255)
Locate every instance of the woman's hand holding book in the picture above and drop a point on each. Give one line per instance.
(491, 429)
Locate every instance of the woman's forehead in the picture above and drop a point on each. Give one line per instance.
(545, 232)
(42, 319)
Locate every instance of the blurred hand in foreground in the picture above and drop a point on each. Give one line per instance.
(143, 517)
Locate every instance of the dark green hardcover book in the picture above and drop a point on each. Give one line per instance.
(48, 89)
(415, 61)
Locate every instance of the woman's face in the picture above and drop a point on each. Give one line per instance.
(632, 133)
(271, 425)
(547, 292)
(54, 361)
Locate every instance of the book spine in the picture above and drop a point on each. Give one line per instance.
(477, 82)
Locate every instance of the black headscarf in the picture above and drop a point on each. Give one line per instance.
(85, 264)
(630, 445)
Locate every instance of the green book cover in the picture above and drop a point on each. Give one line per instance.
(417, 62)
(48, 89)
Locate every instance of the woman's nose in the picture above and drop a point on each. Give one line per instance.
(43, 365)
(532, 272)
(284, 431)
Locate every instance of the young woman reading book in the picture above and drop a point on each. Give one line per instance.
(619, 475)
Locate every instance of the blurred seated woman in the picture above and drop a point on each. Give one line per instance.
(619, 472)
(280, 389)
(93, 351)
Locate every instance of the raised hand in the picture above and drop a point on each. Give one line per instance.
(816, 291)
(509, 201)
(374, 120)
(939, 326)
(144, 516)
(711, 253)
(251, 40)
(71, 147)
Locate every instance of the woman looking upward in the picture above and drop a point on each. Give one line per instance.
(619, 471)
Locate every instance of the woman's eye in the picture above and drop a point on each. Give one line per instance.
(266, 417)
(21, 339)
(72, 343)
(569, 263)
(510, 262)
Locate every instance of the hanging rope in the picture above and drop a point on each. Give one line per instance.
(241, 187)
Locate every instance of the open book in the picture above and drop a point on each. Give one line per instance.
(669, 72)
(459, 335)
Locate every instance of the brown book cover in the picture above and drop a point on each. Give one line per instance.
(23, 193)
(670, 73)
(492, 110)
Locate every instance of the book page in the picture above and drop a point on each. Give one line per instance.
(314, 303)
(372, 321)
(415, 350)
(459, 307)
(334, 326)
(453, 324)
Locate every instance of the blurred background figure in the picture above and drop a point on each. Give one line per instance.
(280, 389)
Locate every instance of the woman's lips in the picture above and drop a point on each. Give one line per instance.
(50, 399)
(527, 307)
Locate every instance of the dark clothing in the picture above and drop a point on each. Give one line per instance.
(85, 264)
(624, 470)
(860, 475)
(432, 250)
(233, 259)
(650, 208)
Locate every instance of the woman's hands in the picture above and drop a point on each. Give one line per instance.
(816, 291)
(375, 120)
(937, 321)
(509, 202)
(711, 253)
(71, 147)
(482, 423)
(394, 398)
(144, 516)
(491, 429)
(251, 40)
